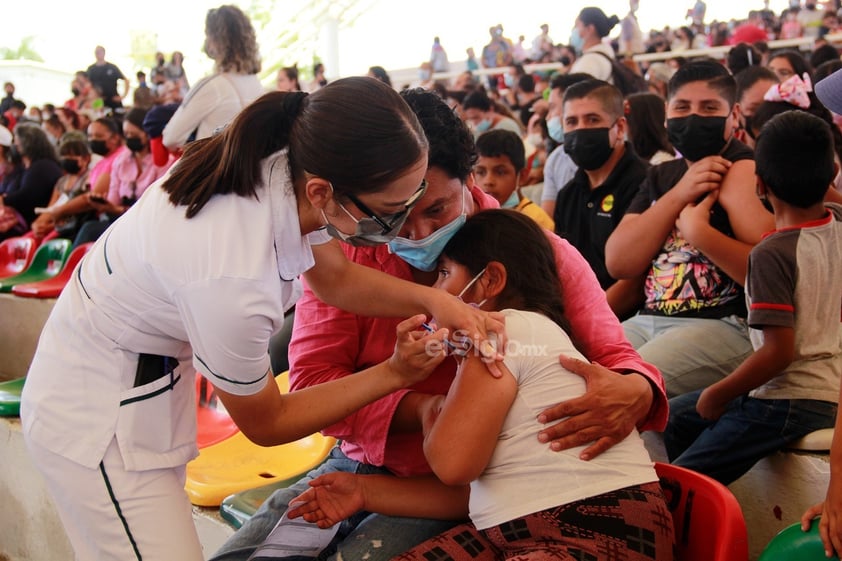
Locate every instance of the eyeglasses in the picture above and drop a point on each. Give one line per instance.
(388, 222)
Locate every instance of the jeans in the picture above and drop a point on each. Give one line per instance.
(749, 430)
(368, 536)
(691, 353)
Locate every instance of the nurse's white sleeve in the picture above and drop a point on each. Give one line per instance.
(229, 322)
(199, 103)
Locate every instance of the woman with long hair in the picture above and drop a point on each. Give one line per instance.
(230, 40)
(196, 276)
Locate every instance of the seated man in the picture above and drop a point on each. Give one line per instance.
(609, 174)
(386, 437)
(690, 230)
(559, 168)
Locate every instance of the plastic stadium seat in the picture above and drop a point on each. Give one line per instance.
(47, 262)
(213, 423)
(237, 464)
(15, 255)
(708, 520)
(52, 287)
(816, 441)
(792, 544)
(236, 509)
(10, 397)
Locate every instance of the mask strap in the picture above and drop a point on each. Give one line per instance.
(345, 210)
(471, 283)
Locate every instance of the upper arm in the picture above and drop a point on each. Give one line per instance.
(196, 106)
(330, 264)
(746, 214)
(463, 438)
(779, 343)
(102, 185)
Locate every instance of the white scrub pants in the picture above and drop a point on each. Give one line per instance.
(113, 514)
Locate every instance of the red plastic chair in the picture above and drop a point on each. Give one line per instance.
(213, 423)
(47, 262)
(51, 235)
(52, 287)
(708, 520)
(16, 255)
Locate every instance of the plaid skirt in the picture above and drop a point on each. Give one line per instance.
(629, 524)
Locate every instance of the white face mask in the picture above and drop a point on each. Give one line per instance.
(469, 285)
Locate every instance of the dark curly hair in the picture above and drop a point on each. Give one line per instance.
(452, 147)
(34, 142)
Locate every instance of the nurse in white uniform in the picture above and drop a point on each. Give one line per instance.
(197, 276)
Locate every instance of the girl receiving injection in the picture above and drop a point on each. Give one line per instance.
(525, 499)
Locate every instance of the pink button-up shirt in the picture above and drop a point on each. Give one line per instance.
(328, 343)
(128, 181)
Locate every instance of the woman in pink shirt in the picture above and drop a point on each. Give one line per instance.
(132, 170)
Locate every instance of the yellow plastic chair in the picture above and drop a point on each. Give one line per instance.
(237, 464)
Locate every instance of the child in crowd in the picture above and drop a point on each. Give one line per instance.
(689, 229)
(499, 170)
(513, 510)
(829, 92)
(789, 386)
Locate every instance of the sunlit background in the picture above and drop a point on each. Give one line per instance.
(390, 33)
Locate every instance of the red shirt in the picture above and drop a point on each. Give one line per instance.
(328, 343)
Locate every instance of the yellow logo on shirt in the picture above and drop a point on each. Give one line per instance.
(607, 203)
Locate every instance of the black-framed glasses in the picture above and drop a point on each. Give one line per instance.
(388, 222)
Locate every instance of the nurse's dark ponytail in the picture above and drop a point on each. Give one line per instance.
(356, 132)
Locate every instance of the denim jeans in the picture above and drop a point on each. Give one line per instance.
(749, 430)
(373, 537)
(691, 353)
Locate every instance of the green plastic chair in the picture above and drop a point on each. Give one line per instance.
(10, 397)
(48, 261)
(236, 509)
(792, 544)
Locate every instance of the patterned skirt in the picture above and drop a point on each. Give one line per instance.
(630, 524)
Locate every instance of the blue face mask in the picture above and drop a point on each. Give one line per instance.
(555, 129)
(482, 126)
(576, 40)
(512, 201)
(509, 80)
(424, 253)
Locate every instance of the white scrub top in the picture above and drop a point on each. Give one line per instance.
(208, 291)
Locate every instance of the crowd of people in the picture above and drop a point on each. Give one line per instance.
(631, 245)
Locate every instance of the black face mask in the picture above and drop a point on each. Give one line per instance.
(697, 137)
(99, 147)
(588, 148)
(135, 144)
(75, 92)
(70, 166)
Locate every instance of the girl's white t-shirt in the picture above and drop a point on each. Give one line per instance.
(524, 475)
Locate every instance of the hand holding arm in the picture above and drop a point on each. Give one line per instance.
(638, 237)
(608, 411)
